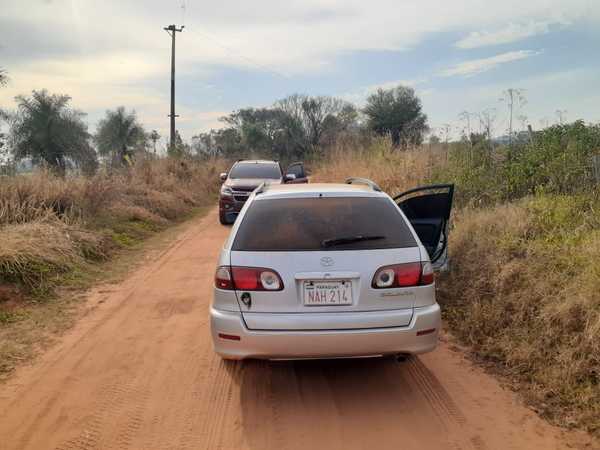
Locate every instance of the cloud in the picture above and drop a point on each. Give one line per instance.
(476, 66)
(512, 33)
(111, 52)
(292, 37)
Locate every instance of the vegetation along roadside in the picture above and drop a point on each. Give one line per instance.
(523, 291)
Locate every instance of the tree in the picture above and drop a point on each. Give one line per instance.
(487, 119)
(3, 78)
(512, 97)
(3, 114)
(154, 137)
(180, 148)
(397, 112)
(292, 128)
(434, 139)
(119, 135)
(4, 154)
(312, 121)
(46, 129)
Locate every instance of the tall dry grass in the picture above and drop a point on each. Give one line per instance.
(523, 291)
(50, 225)
(394, 170)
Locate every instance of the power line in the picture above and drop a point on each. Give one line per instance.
(239, 55)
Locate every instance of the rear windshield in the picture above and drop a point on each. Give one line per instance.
(322, 223)
(252, 170)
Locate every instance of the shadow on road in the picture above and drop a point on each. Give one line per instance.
(360, 403)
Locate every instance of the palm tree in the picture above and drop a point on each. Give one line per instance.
(119, 134)
(46, 129)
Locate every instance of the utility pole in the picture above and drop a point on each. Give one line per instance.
(172, 30)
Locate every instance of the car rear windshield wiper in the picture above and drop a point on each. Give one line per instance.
(348, 240)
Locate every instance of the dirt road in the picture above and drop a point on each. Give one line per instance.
(138, 372)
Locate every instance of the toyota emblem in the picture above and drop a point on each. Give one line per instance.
(327, 261)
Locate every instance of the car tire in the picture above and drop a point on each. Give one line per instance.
(223, 218)
(403, 357)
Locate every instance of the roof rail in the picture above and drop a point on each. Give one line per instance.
(371, 184)
(260, 188)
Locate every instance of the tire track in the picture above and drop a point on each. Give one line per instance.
(459, 436)
(139, 373)
(434, 392)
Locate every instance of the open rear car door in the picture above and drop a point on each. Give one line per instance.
(428, 210)
(296, 169)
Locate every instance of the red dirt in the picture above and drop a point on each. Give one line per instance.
(138, 372)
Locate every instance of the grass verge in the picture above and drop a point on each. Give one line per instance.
(28, 325)
(60, 236)
(523, 292)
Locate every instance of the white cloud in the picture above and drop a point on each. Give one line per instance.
(475, 66)
(111, 52)
(512, 33)
(292, 37)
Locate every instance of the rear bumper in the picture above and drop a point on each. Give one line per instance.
(323, 344)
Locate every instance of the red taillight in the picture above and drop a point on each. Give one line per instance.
(245, 279)
(248, 279)
(403, 275)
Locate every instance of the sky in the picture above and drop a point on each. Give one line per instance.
(458, 56)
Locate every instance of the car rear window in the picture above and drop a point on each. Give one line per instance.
(255, 170)
(302, 224)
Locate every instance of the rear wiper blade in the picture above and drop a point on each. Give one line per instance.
(348, 240)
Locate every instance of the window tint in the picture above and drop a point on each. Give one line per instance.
(255, 170)
(304, 223)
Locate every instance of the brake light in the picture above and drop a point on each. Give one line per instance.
(403, 275)
(247, 279)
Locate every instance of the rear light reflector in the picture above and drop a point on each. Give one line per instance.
(247, 279)
(223, 278)
(424, 332)
(427, 273)
(230, 337)
(403, 275)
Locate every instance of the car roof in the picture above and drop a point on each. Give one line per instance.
(314, 189)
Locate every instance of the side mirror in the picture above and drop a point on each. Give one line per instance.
(223, 176)
(289, 177)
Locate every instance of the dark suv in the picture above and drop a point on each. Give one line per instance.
(245, 176)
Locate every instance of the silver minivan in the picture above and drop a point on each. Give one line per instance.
(331, 270)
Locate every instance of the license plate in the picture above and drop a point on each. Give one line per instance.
(327, 293)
